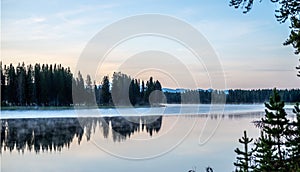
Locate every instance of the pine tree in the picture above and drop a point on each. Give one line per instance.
(29, 86)
(275, 125)
(37, 84)
(11, 85)
(97, 93)
(89, 95)
(264, 157)
(149, 88)
(120, 89)
(142, 95)
(20, 91)
(105, 94)
(79, 96)
(132, 96)
(293, 142)
(243, 163)
(3, 85)
(115, 88)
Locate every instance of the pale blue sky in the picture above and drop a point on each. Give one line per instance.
(249, 46)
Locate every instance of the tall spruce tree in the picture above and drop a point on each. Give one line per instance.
(21, 81)
(275, 125)
(132, 94)
(105, 94)
(29, 86)
(149, 88)
(11, 85)
(142, 95)
(37, 84)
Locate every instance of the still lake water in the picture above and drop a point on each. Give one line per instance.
(171, 138)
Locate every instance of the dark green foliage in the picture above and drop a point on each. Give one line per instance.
(277, 148)
(40, 85)
(105, 94)
(21, 82)
(236, 96)
(120, 89)
(293, 140)
(37, 84)
(11, 84)
(79, 93)
(271, 149)
(3, 85)
(142, 95)
(243, 163)
(127, 91)
(54, 85)
(89, 91)
(294, 37)
(275, 125)
(263, 155)
(134, 91)
(149, 88)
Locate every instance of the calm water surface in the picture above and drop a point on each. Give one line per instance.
(111, 143)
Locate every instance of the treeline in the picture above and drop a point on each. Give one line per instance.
(236, 96)
(122, 91)
(41, 85)
(54, 85)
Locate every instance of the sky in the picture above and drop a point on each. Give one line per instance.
(249, 46)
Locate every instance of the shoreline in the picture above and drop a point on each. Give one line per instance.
(42, 108)
(13, 108)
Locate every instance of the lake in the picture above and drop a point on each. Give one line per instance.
(173, 138)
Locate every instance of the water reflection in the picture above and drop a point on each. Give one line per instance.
(39, 134)
(231, 116)
(53, 134)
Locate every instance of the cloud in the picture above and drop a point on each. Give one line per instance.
(30, 20)
(64, 15)
(38, 19)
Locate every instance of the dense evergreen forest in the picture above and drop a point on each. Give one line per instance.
(51, 85)
(236, 96)
(55, 85)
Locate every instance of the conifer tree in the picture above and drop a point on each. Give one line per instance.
(143, 93)
(105, 94)
(29, 86)
(293, 141)
(132, 93)
(275, 125)
(3, 85)
(243, 163)
(20, 91)
(263, 154)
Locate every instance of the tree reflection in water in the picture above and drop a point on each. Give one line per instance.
(53, 134)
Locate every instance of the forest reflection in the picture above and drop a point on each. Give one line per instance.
(54, 134)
